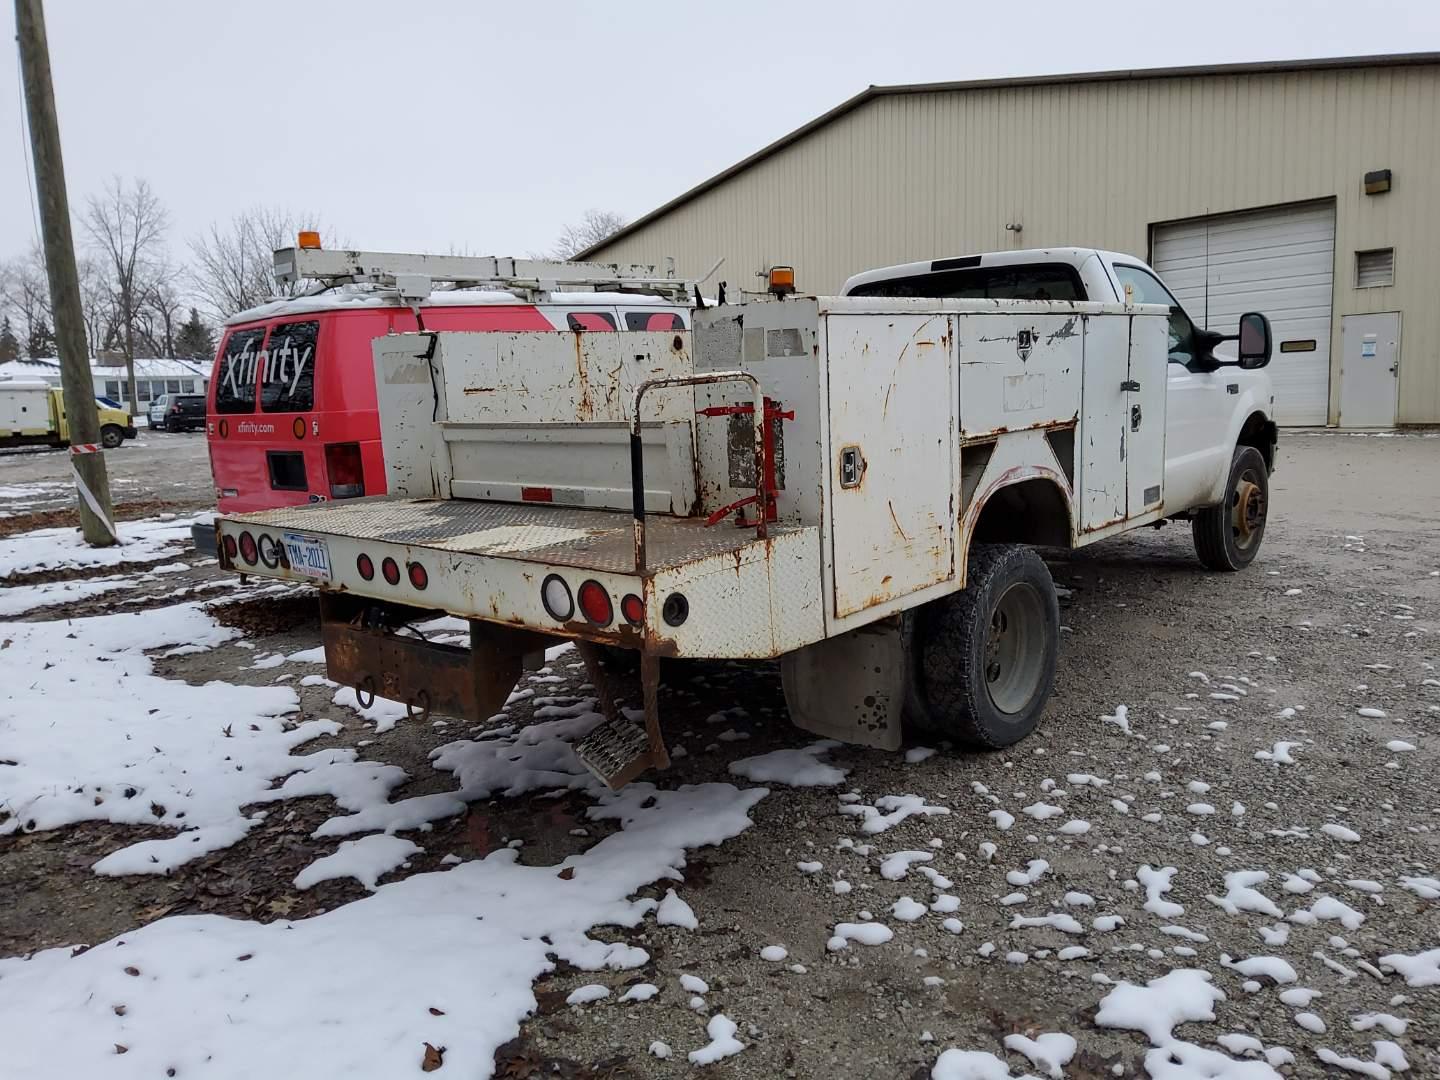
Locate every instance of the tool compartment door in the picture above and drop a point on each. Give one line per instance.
(892, 400)
(1145, 415)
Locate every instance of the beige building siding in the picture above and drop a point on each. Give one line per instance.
(914, 174)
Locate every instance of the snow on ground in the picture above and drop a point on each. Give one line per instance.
(63, 549)
(204, 995)
(796, 768)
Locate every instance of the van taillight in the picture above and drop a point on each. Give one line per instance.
(346, 472)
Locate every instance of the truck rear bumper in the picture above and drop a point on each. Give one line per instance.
(704, 592)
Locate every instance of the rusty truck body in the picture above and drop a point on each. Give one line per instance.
(853, 485)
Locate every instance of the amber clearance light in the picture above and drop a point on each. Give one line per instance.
(308, 238)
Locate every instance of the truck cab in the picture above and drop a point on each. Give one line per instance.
(1207, 393)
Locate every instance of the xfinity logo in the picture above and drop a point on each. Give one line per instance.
(284, 365)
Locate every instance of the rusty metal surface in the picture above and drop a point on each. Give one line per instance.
(426, 676)
(600, 540)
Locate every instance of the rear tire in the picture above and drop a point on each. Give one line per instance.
(985, 657)
(1228, 536)
(111, 436)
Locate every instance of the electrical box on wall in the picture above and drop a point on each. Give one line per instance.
(1377, 182)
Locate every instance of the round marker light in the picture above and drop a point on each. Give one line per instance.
(248, 551)
(595, 603)
(418, 577)
(230, 547)
(675, 610)
(269, 551)
(366, 566)
(633, 608)
(391, 570)
(556, 598)
(298, 427)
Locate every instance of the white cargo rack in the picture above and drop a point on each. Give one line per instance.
(413, 275)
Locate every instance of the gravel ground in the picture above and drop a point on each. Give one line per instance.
(155, 466)
(1339, 612)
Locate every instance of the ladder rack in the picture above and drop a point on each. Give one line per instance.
(413, 275)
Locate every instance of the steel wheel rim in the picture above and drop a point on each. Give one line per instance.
(1015, 649)
(1247, 510)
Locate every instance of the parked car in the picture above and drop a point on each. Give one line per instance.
(178, 412)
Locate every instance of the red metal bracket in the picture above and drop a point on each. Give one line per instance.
(772, 491)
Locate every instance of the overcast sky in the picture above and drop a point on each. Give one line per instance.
(442, 126)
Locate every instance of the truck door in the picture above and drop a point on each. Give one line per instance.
(892, 390)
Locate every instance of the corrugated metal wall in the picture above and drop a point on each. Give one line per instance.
(915, 175)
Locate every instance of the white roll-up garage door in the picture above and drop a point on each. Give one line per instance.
(1279, 261)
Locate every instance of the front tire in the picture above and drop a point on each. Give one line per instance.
(111, 436)
(985, 657)
(1228, 536)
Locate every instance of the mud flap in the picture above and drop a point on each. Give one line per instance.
(851, 687)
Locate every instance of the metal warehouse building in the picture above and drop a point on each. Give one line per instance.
(1309, 190)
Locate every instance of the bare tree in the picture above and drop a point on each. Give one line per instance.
(127, 229)
(595, 226)
(25, 293)
(234, 263)
(161, 310)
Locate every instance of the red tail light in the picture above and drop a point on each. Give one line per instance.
(345, 470)
(391, 570)
(230, 548)
(633, 608)
(248, 551)
(595, 603)
(366, 567)
(418, 577)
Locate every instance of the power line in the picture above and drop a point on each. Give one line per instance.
(25, 147)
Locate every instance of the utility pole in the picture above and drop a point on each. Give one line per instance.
(91, 480)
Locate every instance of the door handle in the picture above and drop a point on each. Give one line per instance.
(1130, 386)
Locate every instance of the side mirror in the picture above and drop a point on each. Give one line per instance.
(1255, 340)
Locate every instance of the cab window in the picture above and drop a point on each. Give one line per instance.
(235, 374)
(1046, 281)
(1146, 288)
(287, 374)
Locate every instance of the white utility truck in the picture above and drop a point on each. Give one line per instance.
(852, 485)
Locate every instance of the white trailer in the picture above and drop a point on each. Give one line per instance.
(850, 484)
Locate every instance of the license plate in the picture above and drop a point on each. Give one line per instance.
(308, 555)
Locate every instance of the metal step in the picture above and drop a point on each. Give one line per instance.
(616, 751)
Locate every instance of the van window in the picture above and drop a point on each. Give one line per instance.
(590, 320)
(653, 320)
(287, 377)
(235, 374)
(1045, 281)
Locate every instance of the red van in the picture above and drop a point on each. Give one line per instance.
(291, 413)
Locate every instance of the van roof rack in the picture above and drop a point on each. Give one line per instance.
(413, 276)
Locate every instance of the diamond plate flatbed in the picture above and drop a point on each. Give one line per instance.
(598, 540)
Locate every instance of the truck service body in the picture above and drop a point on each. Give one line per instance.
(846, 483)
(32, 413)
